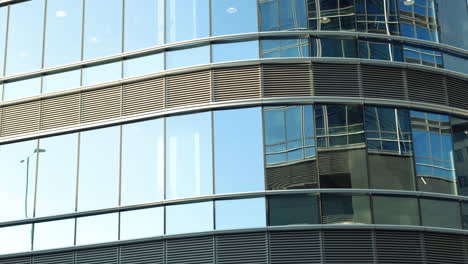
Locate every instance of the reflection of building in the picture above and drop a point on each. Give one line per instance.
(233, 131)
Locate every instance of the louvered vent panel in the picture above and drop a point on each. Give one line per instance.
(60, 111)
(97, 256)
(383, 82)
(143, 97)
(287, 80)
(426, 87)
(348, 247)
(101, 104)
(249, 248)
(336, 79)
(26, 260)
(301, 175)
(187, 89)
(398, 247)
(444, 249)
(236, 83)
(62, 258)
(333, 162)
(301, 247)
(144, 253)
(457, 92)
(21, 118)
(198, 250)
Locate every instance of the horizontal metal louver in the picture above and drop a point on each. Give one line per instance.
(345, 246)
(60, 111)
(61, 258)
(21, 118)
(383, 82)
(444, 249)
(457, 92)
(199, 250)
(236, 83)
(398, 247)
(101, 104)
(98, 256)
(295, 247)
(300, 175)
(190, 88)
(333, 162)
(26, 260)
(336, 79)
(143, 97)
(426, 87)
(144, 253)
(249, 248)
(281, 80)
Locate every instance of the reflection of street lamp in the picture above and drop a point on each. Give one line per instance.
(37, 150)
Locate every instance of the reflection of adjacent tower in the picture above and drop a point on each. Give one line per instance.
(460, 147)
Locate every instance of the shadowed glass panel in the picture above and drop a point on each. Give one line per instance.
(465, 214)
(242, 213)
(440, 213)
(54, 234)
(97, 229)
(293, 209)
(142, 223)
(460, 145)
(189, 218)
(187, 19)
(345, 209)
(395, 210)
(233, 16)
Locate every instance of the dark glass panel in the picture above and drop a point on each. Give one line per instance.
(345, 209)
(460, 146)
(395, 210)
(295, 209)
(440, 213)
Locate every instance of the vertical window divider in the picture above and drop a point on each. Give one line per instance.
(7, 29)
(77, 183)
(43, 45)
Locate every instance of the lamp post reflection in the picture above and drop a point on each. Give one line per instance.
(37, 150)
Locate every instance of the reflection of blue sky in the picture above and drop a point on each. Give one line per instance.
(234, 16)
(102, 73)
(242, 213)
(54, 234)
(235, 51)
(15, 239)
(97, 229)
(187, 19)
(21, 89)
(187, 57)
(144, 65)
(61, 81)
(142, 223)
(188, 218)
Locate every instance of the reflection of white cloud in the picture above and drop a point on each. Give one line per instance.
(232, 10)
(23, 54)
(94, 39)
(61, 13)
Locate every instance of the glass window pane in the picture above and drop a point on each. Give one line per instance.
(97, 229)
(144, 65)
(103, 28)
(279, 48)
(54, 234)
(235, 51)
(15, 239)
(3, 30)
(395, 210)
(283, 15)
(233, 16)
(63, 32)
(243, 213)
(440, 213)
(187, 57)
(98, 185)
(144, 24)
(465, 214)
(460, 146)
(22, 89)
(142, 223)
(102, 73)
(25, 37)
(345, 209)
(187, 19)
(18, 163)
(61, 81)
(189, 156)
(189, 218)
(294, 209)
(238, 150)
(57, 167)
(143, 162)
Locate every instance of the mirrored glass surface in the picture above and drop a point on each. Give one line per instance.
(189, 218)
(187, 57)
(142, 223)
(97, 229)
(189, 156)
(235, 51)
(395, 210)
(57, 170)
(103, 28)
(143, 65)
(293, 209)
(3, 30)
(460, 146)
(233, 16)
(440, 213)
(25, 31)
(15, 239)
(144, 24)
(283, 15)
(345, 209)
(450, 13)
(465, 214)
(242, 213)
(102, 73)
(98, 185)
(284, 48)
(21, 89)
(142, 162)
(187, 19)
(54, 234)
(61, 81)
(18, 163)
(63, 32)
(238, 150)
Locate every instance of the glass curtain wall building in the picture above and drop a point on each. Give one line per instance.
(233, 131)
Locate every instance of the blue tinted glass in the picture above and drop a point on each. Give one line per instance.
(421, 143)
(21, 89)
(233, 16)
(407, 30)
(187, 19)
(97, 229)
(238, 150)
(187, 57)
(142, 223)
(102, 73)
(292, 14)
(144, 65)
(188, 156)
(103, 28)
(243, 213)
(61, 81)
(25, 31)
(285, 48)
(15, 239)
(63, 32)
(269, 15)
(144, 24)
(54, 234)
(274, 126)
(3, 29)
(235, 51)
(189, 218)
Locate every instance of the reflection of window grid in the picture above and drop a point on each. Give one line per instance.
(283, 48)
(295, 10)
(376, 23)
(341, 17)
(306, 145)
